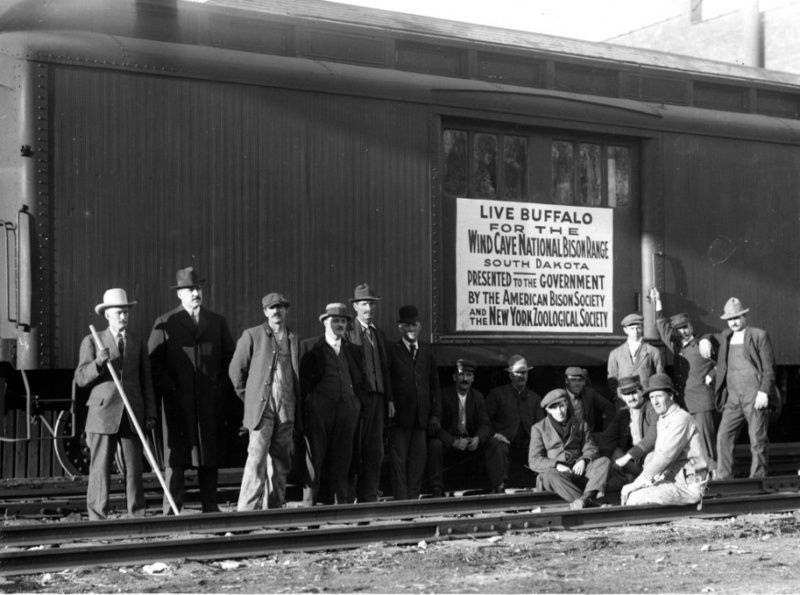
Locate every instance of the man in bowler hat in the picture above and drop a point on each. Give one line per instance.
(190, 349)
(107, 423)
(368, 447)
(634, 357)
(265, 375)
(415, 404)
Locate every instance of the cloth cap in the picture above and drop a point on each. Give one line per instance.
(114, 298)
(554, 396)
(733, 309)
(632, 319)
(408, 315)
(517, 363)
(629, 384)
(335, 309)
(659, 382)
(187, 277)
(274, 299)
(364, 292)
(576, 371)
(679, 320)
(465, 365)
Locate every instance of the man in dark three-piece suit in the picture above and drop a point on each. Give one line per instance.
(190, 348)
(107, 423)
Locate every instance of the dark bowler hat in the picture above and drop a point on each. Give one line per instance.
(576, 371)
(659, 382)
(733, 309)
(553, 397)
(679, 320)
(335, 309)
(364, 292)
(632, 319)
(408, 315)
(274, 299)
(629, 384)
(465, 365)
(187, 277)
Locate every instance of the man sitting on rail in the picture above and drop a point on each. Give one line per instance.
(675, 472)
(565, 455)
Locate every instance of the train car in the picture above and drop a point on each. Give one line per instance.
(524, 191)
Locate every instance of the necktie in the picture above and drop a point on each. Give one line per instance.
(196, 317)
(462, 418)
(121, 345)
(414, 351)
(368, 331)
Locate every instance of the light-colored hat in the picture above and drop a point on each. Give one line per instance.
(659, 382)
(554, 396)
(335, 309)
(630, 319)
(733, 309)
(517, 363)
(114, 298)
(274, 299)
(576, 372)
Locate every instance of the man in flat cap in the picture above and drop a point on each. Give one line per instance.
(586, 403)
(693, 374)
(415, 405)
(107, 423)
(675, 472)
(745, 387)
(190, 349)
(634, 357)
(565, 455)
(368, 447)
(331, 386)
(513, 408)
(265, 374)
(465, 436)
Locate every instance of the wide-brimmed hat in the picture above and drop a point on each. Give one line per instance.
(554, 396)
(363, 292)
(632, 319)
(114, 298)
(733, 309)
(576, 371)
(274, 299)
(517, 363)
(629, 384)
(335, 309)
(659, 382)
(465, 365)
(679, 320)
(408, 315)
(187, 277)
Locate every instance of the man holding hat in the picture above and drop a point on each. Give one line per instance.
(368, 447)
(513, 408)
(675, 472)
(565, 455)
(190, 349)
(331, 386)
(107, 423)
(465, 436)
(634, 357)
(694, 381)
(415, 404)
(265, 374)
(745, 389)
(586, 403)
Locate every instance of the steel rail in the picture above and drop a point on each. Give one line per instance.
(236, 546)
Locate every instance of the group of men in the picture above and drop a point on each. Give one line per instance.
(332, 396)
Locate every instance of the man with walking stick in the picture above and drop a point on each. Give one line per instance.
(115, 365)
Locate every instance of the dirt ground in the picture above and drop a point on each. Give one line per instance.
(746, 554)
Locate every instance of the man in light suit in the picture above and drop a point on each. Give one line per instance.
(265, 375)
(634, 357)
(107, 423)
(745, 390)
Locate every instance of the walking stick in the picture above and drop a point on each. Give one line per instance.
(148, 453)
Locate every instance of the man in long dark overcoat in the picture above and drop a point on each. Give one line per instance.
(190, 349)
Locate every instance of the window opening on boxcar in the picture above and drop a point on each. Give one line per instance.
(515, 157)
(454, 143)
(579, 176)
(619, 176)
(484, 159)
(589, 175)
(563, 173)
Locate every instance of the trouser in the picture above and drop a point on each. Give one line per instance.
(365, 472)
(102, 448)
(175, 478)
(571, 486)
(408, 453)
(739, 410)
(487, 454)
(705, 422)
(683, 489)
(263, 485)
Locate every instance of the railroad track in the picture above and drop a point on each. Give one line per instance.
(232, 535)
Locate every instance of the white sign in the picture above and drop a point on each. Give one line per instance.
(530, 267)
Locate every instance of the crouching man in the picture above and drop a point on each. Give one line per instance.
(675, 472)
(565, 455)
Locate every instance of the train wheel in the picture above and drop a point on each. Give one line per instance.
(71, 451)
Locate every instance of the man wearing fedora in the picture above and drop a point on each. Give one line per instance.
(107, 423)
(693, 374)
(265, 372)
(675, 472)
(513, 408)
(745, 387)
(331, 386)
(634, 357)
(190, 349)
(586, 403)
(415, 404)
(565, 456)
(368, 447)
